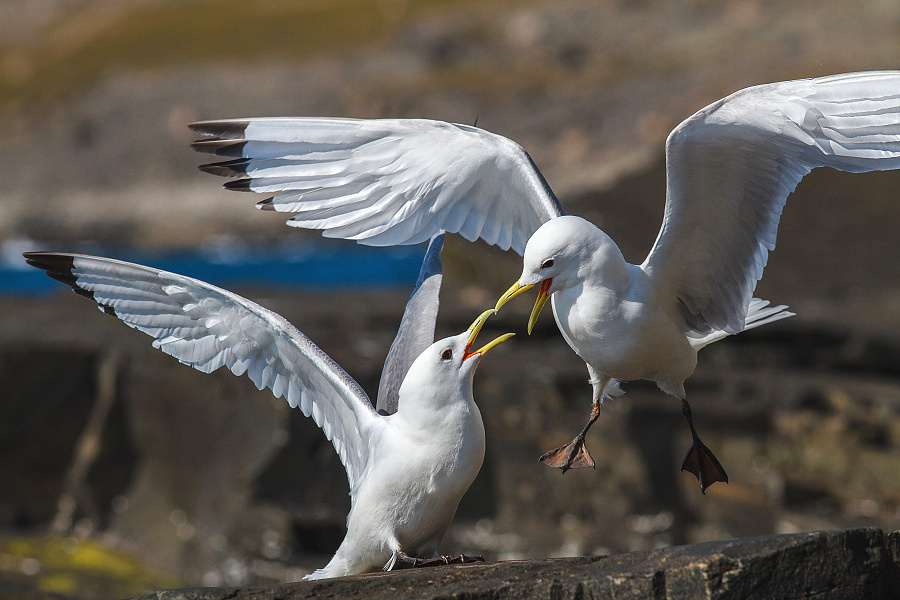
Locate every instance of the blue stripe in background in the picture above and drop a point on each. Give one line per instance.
(301, 265)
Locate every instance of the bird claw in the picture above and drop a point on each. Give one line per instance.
(464, 559)
(404, 561)
(700, 461)
(573, 455)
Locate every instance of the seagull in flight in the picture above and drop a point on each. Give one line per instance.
(409, 459)
(730, 168)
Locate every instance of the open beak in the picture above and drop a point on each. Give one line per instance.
(539, 303)
(517, 289)
(474, 328)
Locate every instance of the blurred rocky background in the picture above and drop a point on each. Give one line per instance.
(122, 471)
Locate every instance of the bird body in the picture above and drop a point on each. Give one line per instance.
(408, 463)
(428, 454)
(605, 308)
(619, 319)
(609, 310)
(633, 340)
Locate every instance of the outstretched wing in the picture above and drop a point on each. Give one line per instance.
(207, 327)
(385, 182)
(731, 166)
(416, 331)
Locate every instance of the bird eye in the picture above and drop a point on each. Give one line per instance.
(447, 354)
(547, 263)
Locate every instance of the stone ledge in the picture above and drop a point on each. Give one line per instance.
(848, 563)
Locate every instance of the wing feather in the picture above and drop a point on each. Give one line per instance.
(208, 328)
(416, 331)
(385, 182)
(730, 168)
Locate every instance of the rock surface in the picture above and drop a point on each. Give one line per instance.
(850, 563)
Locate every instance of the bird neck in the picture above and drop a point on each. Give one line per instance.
(606, 267)
(434, 407)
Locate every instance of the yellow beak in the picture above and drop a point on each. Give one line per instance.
(511, 293)
(475, 327)
(539, 303)
(517, 289)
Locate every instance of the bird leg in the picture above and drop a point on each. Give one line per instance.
(405, 561)
(574, 454)
(699, 459)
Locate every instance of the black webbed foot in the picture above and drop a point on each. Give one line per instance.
(699, 459)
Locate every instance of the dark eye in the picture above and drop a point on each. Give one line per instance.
(447, 354)
(547, 263)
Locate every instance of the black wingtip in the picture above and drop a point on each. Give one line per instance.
(266, 204)
(56, 265)
(228, 168)
(232, 129)
(239, 185)
(227, 148)
(59, 267)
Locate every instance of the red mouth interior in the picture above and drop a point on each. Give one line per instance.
(545, 285)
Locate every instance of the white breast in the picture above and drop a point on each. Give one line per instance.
(624, 338)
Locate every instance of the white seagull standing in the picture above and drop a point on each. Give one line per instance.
(730, 168)
(408, 462)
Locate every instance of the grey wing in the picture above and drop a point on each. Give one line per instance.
(384, 182)
(207, 327)
(730, 168)
(416, 331)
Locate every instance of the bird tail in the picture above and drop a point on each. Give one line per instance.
(322, 573)
(758, 313)
(338, 566)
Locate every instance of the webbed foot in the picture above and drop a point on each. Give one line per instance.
(573, 455)
(699, 459)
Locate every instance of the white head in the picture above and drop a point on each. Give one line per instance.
(442, 374)
(560, 250)
(561, 254)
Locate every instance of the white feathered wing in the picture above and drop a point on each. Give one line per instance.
(207, 327)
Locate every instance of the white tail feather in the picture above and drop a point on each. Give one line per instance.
(758, 313)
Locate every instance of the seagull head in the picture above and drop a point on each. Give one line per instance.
(445, 369)
(557, 257)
